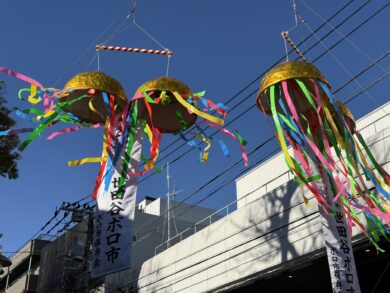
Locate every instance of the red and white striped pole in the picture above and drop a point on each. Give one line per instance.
(134, 50)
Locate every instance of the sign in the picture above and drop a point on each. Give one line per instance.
(337, 239)
(112, 236)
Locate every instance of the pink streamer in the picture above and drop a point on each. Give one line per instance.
(20, 76)
(69, 130)
(231, 135)
(316, 151)
(312, 186)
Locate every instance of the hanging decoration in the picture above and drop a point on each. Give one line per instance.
(94, 99)
(92, 109)
(167, 105)
(307, 115)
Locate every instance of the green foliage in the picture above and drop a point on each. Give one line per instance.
(8, 155)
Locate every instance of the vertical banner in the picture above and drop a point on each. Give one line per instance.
(112, 236)
(338, 242)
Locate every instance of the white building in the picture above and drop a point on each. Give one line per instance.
(150, 233)
(272, 241)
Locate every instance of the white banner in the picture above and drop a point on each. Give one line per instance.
(112, 236)
(337, 238)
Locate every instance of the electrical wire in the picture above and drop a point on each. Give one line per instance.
(362, 91)
(226, 250)
(252, 82)
(234, 97)
(259, 147)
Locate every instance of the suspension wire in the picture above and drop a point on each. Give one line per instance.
(285, 34)
(257, 148)
(360, 50)
(149, 35)
(337, 26)
(234, 97)
(251, 83)
(191, 149)
(281, 59)
(91, 61)
(375, 62)
(328, 50)
(370, 85)
(223, 184)
(119, 29)
(258, 77)
(85, 51)
(229, 236)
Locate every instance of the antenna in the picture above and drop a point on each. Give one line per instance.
(169, 215)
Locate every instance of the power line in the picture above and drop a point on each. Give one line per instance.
(266, 142)
(316, 59)
(258, 77)
(278, 61)
(252, 82)
(226, 250)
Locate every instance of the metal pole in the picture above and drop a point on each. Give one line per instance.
(6, 283)
(168, 208)
(87, 252)
(29, 265)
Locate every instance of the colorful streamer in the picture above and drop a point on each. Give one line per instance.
(321, 127)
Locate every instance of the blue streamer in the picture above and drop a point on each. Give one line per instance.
(224, 148)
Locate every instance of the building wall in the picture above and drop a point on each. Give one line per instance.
(153, 235)
(22, 275)
(274, 172)
(60, 268)
(268, 232)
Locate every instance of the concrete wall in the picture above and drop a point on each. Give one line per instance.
(22, 275)
(273, 229)
(149, 236)
(274, 172)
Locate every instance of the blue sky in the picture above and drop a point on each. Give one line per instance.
(218, 46)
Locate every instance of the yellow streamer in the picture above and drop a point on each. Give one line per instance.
(33, 93)
(198, 112)
(101, 159)
(329, 117)
(148, 133)
(93, 108)
(385, 204)
(305, 199)
(368, 168)
(205, 154)
(86, 160)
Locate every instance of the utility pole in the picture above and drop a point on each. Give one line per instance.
(79, 213)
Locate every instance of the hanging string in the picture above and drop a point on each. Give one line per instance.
(291, 29)
(98, 60)
(167, 72)
(119, 29)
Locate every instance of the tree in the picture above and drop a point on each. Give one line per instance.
(8, 155)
